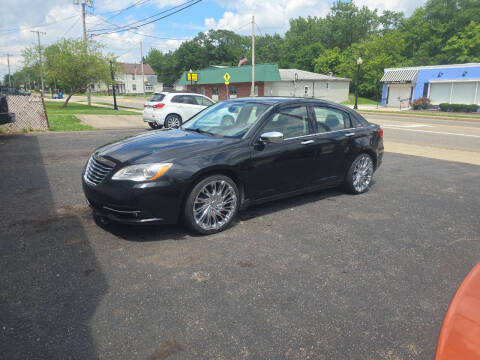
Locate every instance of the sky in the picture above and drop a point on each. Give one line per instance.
(62, 19)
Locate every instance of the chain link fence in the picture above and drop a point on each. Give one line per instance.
(29, 113)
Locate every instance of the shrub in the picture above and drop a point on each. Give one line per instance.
(458, 107)
(421, 103)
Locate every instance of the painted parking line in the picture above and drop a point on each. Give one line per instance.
(407, 126)
(430, 131)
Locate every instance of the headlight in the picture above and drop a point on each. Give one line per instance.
(142, 172)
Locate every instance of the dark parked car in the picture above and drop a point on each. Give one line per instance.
(231, 155)
(5, 116)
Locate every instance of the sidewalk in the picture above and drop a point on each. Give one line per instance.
(113, 122)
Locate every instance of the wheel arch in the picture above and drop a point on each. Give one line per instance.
(367, 151)
(173, 113)
(216, 170)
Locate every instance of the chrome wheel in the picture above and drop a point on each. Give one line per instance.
(362, 173)
(214, 205)
(173, 121)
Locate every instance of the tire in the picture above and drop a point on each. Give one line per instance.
(207, 211)
(360, 174)
(154, 125)
(173, 121)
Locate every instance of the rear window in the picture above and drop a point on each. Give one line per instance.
(157, 97)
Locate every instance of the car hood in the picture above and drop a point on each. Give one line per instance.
(161, 145)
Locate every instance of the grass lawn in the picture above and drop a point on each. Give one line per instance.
(63, 119)
(361, 101)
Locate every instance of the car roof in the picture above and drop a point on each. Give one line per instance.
(274, 100)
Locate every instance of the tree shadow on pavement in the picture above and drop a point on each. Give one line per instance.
(51, 280)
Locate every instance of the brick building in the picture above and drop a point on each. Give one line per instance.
(269, 81)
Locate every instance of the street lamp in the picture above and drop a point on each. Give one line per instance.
(359, 62)
(191, 80)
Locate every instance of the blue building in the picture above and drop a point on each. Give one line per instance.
(454, 84)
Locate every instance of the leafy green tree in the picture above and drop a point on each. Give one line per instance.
(268, 48)
(302, 32)
(465, 46)
(328, 61)
(307, 54)
(72, 66)
(348, 24)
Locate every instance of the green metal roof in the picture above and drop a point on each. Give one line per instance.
(213, 75)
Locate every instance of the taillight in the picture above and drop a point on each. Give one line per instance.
(158, 106)
(380, 132)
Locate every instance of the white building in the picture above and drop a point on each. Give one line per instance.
(300, 83)
(129, 80)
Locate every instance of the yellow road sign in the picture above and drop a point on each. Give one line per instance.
(192, 76)
(227, 78)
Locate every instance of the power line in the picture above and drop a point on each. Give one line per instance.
(130, 26)
(71, 27)
(138, 3)
(260, 31)
(37, 26)
(139, 33)
(241, 27)
(146, 18)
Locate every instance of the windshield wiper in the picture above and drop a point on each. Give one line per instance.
(200, 131)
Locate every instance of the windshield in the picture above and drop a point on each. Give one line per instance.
(228, 119)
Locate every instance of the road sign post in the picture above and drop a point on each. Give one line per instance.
(227, 78)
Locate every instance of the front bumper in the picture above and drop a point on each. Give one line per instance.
(135, 203)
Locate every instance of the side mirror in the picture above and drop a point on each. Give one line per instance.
(273, 137)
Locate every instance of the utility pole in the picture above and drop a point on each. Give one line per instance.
(143, 74)
(85, 3)
(252, 90)
(40, 57)
(9, 76)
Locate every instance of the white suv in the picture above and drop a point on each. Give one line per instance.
(172, 109)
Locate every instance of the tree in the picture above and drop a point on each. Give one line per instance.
(348, 24)
(72, 66)
(465, 46)
(268, 48)
(328, 61)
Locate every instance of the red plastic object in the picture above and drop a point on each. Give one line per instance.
(460, 334)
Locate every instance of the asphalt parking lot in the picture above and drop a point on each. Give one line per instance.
(320, 276)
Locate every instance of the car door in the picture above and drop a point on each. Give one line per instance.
(287, 166)
(194, 104)
(332, 127)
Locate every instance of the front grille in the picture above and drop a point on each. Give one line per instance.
(96, 171)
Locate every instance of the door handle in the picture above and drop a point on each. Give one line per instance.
(306, 142)
(350, 134)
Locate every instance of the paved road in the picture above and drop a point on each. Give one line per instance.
(453, 134)
(320, 276)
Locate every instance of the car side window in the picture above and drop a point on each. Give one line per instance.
(190, 99)
(206, 102)
(178, 99)
(329, 119)
(202, 101)
(291, 122)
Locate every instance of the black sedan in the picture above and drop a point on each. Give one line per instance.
(231, 155)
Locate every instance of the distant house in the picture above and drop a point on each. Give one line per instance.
(129, 80)
(269, 81)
